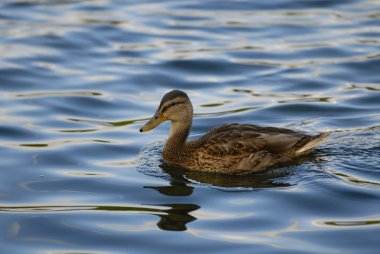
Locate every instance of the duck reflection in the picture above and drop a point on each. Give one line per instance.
(182, 178)
(173, 217)
(177, 216)
(177, 188)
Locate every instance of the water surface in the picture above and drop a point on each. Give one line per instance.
(79, 78)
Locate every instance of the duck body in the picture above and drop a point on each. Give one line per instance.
(230, 148)
(237, 149)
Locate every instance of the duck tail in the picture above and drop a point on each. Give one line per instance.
(312, 143)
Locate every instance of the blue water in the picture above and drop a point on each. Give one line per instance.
(79, 78)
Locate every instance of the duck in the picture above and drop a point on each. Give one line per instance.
(230, 148)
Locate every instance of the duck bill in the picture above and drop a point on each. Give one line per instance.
(156, 120)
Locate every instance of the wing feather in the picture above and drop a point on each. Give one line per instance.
(236, 139)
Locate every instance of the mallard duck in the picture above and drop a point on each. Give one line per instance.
(229, 148)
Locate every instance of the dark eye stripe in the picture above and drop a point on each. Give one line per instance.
(171, 105)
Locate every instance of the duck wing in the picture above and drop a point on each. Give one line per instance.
(239, 139)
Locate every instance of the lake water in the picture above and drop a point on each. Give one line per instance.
(79, 78)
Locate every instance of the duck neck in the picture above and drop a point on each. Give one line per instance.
(176, 143)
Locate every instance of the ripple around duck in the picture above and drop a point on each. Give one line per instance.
(150, 163)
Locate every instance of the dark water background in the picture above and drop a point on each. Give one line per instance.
(79, 78)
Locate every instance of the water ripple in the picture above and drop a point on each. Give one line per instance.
(79, 78)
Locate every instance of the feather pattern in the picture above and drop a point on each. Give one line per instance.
(235, 149)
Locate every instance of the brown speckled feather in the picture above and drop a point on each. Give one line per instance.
(235, 148)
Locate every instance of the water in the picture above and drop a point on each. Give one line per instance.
(79, 78)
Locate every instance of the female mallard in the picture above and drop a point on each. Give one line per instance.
(230, 148)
